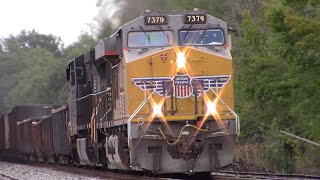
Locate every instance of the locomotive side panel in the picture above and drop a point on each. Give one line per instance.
(73, 95)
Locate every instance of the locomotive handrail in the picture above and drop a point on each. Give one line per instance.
(137, 110)
(235, 114)
(101, 92)
(135, 113)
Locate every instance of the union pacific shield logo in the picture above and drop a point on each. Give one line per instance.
(183, 86)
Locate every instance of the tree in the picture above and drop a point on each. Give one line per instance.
(25, 61)
(297, 25)
(30, 40)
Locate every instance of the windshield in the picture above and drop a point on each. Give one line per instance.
(201, 37)
(150, 38)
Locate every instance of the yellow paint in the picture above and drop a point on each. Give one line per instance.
(179, 117)
(198, 64)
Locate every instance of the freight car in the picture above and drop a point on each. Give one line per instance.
(24, 138)
(12, 119)
(155, 96)
(2, 139)
(43, 139)
(61, 148)
(37, 140)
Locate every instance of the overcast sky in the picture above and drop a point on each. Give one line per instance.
(64, 18)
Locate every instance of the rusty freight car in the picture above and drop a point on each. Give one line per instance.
(24, 138)
(18, 114)
(1, 133)
(59, 133)
(37, 140)
(47, 137)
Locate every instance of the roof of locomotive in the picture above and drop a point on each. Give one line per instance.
(175, 20)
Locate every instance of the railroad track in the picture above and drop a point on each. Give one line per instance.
(252, 175)
(91, 172)
(120, 175)
(6, 177)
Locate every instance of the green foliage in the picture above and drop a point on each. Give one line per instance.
(261, 77)
(276, 70)
(30, 40)
(32, 68)
(40, 80)
(300, 36)
(278, 60)
(85, 43)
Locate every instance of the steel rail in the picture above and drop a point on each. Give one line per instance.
(256, 175)
(7, 177)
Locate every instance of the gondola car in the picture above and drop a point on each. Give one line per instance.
(2, 139)
(43, 139)
(61, 144)
(18, 114)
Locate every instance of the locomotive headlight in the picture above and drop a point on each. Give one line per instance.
(212, 107)
(157, 110)
(181, 60)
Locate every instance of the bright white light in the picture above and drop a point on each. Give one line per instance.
(211, 108)
(157, 110)
(181, 60)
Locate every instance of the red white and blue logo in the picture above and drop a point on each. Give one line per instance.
(181, 86)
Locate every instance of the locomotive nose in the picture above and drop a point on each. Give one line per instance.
(185, 150)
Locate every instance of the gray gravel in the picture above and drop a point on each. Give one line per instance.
(26, 172)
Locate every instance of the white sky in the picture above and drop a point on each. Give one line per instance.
(64, 18)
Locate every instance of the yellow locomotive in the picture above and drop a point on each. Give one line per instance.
(157, 96)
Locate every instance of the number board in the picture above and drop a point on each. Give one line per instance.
(155, 20)
(195, 19)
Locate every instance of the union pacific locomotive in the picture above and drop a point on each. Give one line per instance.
(156, 96)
